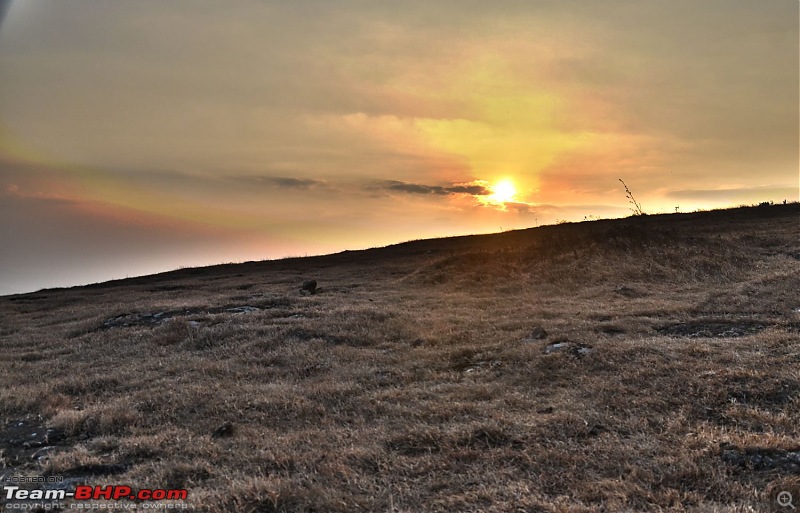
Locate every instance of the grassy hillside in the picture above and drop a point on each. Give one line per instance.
(642, 364)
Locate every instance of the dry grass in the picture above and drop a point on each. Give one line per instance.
(408, 384)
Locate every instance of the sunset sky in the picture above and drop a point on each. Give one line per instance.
(139, 136)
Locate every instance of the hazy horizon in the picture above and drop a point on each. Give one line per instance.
(143, 136)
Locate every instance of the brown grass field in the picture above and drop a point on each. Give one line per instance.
(665, 375)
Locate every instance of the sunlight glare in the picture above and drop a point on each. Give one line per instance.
(503, 192)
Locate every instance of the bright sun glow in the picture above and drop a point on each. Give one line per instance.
(503, 192)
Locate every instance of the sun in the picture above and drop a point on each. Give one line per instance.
(503, 192)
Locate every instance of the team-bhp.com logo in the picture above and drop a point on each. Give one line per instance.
(14, 494)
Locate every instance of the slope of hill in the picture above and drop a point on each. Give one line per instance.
(642, 364)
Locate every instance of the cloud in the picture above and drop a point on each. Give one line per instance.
(438, 190)
(279, 181)
(176, 179)
(521, 208)
(61, 242)
(474, 189)
(58, 242)
(297, 120)
(766, 192)
(4, 6)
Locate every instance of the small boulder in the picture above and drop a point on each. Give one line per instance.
(537, 333)
(224, 430)
(242, 309)
(577, 350)
(558, 346)
(309, 287)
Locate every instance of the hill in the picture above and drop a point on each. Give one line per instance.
(641, 364)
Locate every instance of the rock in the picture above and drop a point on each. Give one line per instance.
(54, 435)
(309, 287)
(224, 430)
(577, 350)
(537, 333)
(558, 346)
(242, 309)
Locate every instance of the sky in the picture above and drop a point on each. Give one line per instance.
(139, 136)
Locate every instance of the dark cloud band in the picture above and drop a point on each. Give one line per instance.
(438, 190)
(285, 182)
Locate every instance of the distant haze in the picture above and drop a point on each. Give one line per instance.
(139, 136)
